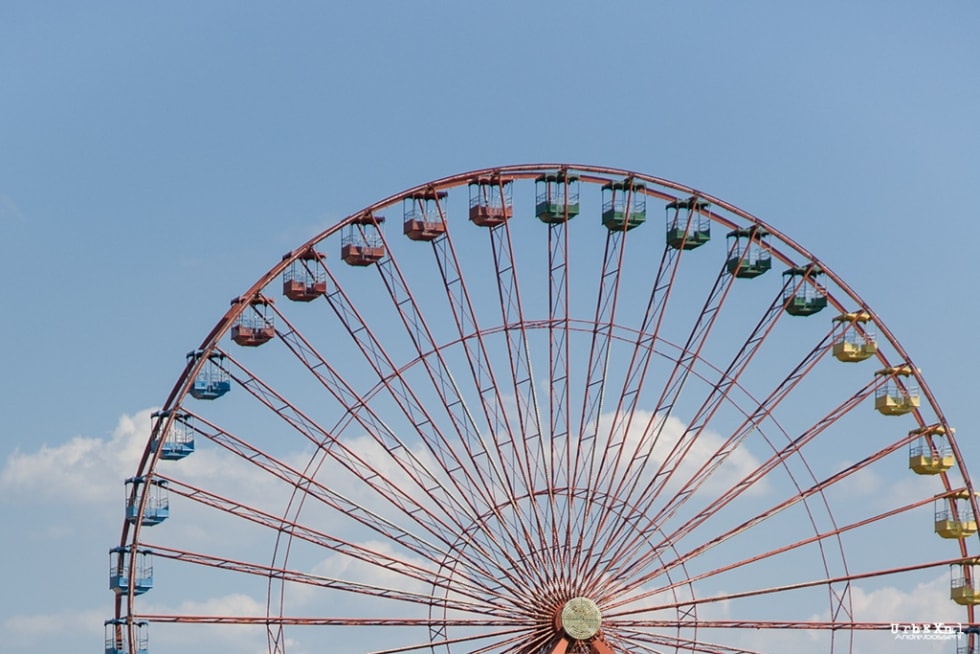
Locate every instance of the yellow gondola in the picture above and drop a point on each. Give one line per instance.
(963, 583)
(854, 338)
(896, 397)
(930, 453)
(954, 516)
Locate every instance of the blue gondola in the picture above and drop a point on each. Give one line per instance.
(116, 636)
(212, 379)
(157, 508)
(120, 564)
(179, 439)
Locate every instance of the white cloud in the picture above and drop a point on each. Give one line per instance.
(229, 637)
(864, 482)
(927, 602)
(884, 492)
(83, 470)
(30, 631)
(234, 604)
(337, 566)
(739, 462)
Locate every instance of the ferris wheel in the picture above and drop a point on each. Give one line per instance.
(543, 409)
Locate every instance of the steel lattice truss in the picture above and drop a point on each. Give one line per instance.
(501, 412)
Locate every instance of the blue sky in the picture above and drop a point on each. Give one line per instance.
(156, 159)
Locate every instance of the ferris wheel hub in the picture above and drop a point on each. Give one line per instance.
(580, 618)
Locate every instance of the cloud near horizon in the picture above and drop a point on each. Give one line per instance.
(83, 470)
